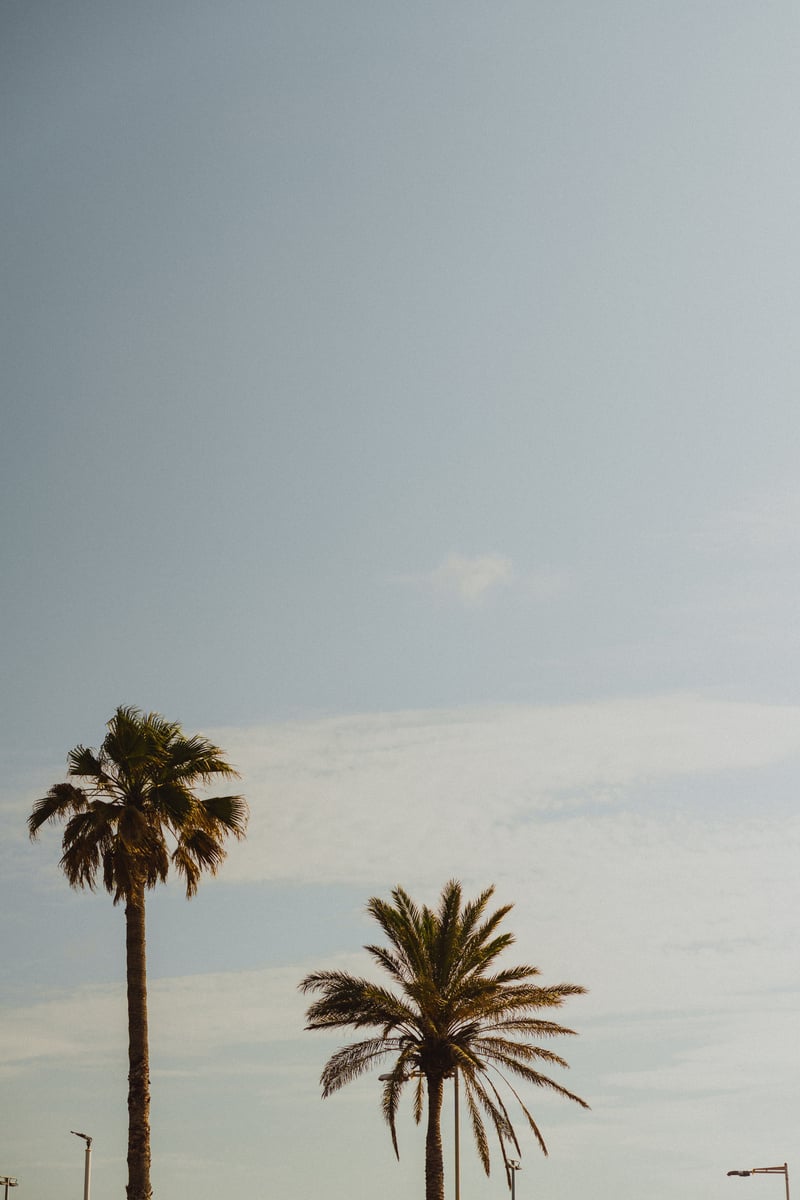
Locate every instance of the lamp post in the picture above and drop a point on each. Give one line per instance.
(512, 1166)
(87, 1170)
(8, 1181)
(784, 1171)
(456, 1137)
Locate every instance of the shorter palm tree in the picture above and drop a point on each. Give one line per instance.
(449, 1011)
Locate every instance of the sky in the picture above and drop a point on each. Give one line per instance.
(405, 396)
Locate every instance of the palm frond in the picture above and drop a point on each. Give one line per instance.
(391, 963)
(228, 812)
(491, 1046)
(392, 1091)
(522, 1071)
(197, 851)
(86, 764)
(351, 1061)
(478, 1129)
(349, 1001)
(492, 1104)
(62, 801)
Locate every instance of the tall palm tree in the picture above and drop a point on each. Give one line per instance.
(135, 814)
(449, 1011)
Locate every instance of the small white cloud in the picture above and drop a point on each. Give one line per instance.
(472, 579)
(467, 580)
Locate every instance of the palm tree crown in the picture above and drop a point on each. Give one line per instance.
(137, 811)
(449, 1011)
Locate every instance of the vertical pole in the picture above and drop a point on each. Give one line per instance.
(87, 1171)
(786, 1176)
(456, 1137)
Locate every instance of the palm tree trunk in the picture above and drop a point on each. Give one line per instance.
(138, 1049)
(434, 1163)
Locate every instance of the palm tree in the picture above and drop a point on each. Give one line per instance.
(449, 1011)
(136, 813)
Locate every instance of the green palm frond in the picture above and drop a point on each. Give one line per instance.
(62, 801)
(351, 1061)
(532, 1124)
(173, 803)
(391, 963)
(531, 1076)
(514, 974)
(522, 1051)
(196, 852)
(530, 1026)
(229, 813)
(478, 1128)
(392, 1090)
(83, 844)
(348, 1001)
(85, 764)
(492, 1104)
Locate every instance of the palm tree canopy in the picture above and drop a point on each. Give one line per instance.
(136, 811)
(449, 1008)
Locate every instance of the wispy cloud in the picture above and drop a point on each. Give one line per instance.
(467, 580)
(433, 788)
(594, 819)
(598, 820)
(191, 1018)
(472, 580)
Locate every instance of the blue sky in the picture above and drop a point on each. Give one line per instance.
(406, 396)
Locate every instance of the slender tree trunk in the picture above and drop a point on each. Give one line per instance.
(434, 1164)
(138, 1050)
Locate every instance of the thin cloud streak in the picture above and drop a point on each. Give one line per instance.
(471, 581)
(192, 1017)
(443, 791)
(467, 580)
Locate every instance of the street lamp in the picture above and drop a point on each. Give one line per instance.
(9, 1182)
(784, 1171)
(456, 1136)
(512, 1166)
(87, 1170)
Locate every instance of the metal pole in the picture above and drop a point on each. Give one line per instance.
(87, 1170)
(786, 1176)
(87, 1173)
(456, 1137)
